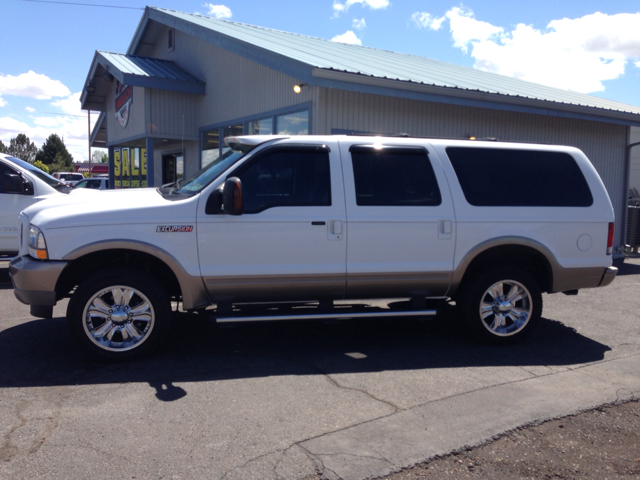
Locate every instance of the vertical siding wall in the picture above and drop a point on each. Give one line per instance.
(236, 87)
(171, 115)
(603, 143)
(634, 174)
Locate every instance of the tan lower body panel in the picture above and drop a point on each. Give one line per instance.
(318, 287)
(576, 278)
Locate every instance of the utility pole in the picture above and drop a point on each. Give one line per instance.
(89, 137)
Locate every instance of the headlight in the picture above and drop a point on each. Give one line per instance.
(37, 244)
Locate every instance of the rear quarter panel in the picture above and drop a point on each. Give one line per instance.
(576, 237)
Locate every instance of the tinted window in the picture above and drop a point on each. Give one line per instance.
(45, 177)
(5, 183)
(494, 177)
(394, 177)
(286, 178)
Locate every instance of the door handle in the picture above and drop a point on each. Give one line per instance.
(445, 227)
(318, 223)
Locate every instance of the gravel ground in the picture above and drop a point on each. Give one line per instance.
(598, 444)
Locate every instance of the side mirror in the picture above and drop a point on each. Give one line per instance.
(232, 196)
(214, 203)
(12, 183)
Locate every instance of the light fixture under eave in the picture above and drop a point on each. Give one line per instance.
(298, 88)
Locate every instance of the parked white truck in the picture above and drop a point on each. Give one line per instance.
(324, 218)
(21, 185)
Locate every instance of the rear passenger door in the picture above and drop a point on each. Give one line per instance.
(400, 221)
(289, 242)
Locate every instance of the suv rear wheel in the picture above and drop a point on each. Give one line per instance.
(119, 314)
(501, 306)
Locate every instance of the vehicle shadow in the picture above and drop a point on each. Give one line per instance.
(628, 269)
(5, 280)
(40, 352)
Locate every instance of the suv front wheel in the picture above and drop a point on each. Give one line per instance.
(501, 306)
(119, 314)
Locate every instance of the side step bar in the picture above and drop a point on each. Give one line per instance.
(327, 316)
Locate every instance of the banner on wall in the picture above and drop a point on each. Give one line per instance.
(130, 167)
(124, 99)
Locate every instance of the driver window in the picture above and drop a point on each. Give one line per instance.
(286, 179)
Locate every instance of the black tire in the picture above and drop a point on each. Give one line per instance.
(509, 316)
(137, 324)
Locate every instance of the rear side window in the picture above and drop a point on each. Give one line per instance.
(287, 178)
(394, 176)
(492, 177)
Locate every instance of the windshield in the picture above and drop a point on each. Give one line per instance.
(36, 172)
(71, 176)
(208, 174)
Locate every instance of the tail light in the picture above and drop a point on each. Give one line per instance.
(612, 228)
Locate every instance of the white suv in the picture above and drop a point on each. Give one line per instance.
(319, 219)
(69, 178)
(21, 185)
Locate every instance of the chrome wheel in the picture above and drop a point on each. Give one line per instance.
(118, 318)
(506, 308)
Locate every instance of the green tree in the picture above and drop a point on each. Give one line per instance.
(60, 164)
(3, 148)
(23, 148)
(41, 166)
(53, 150)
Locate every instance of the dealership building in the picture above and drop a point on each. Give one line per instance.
(187, 81)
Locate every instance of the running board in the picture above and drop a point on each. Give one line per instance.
(327, 316)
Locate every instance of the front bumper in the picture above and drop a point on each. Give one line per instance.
(34, 281)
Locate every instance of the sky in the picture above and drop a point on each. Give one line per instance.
(586, 46)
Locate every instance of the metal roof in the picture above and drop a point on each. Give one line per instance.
(138, 72)
(150, 72)
(327, 61)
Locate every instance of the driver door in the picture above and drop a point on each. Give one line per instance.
(290, 242)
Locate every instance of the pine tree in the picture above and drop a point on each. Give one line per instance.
(53, 150)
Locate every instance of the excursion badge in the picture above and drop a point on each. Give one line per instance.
(174, 228)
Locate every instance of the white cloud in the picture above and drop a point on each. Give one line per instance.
(347, 37)
(33, 85)
(71, 125)
(426, 20)
(3, 102)
(70, 104)
(575, 54)
(338, 7)
(218, 11)
(359, 24)
(30, 109)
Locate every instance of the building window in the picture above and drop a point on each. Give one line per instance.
(260, 127)
(293, 123)
(213, 142)
(171, 40)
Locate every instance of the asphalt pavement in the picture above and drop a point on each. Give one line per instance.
(351, 399)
